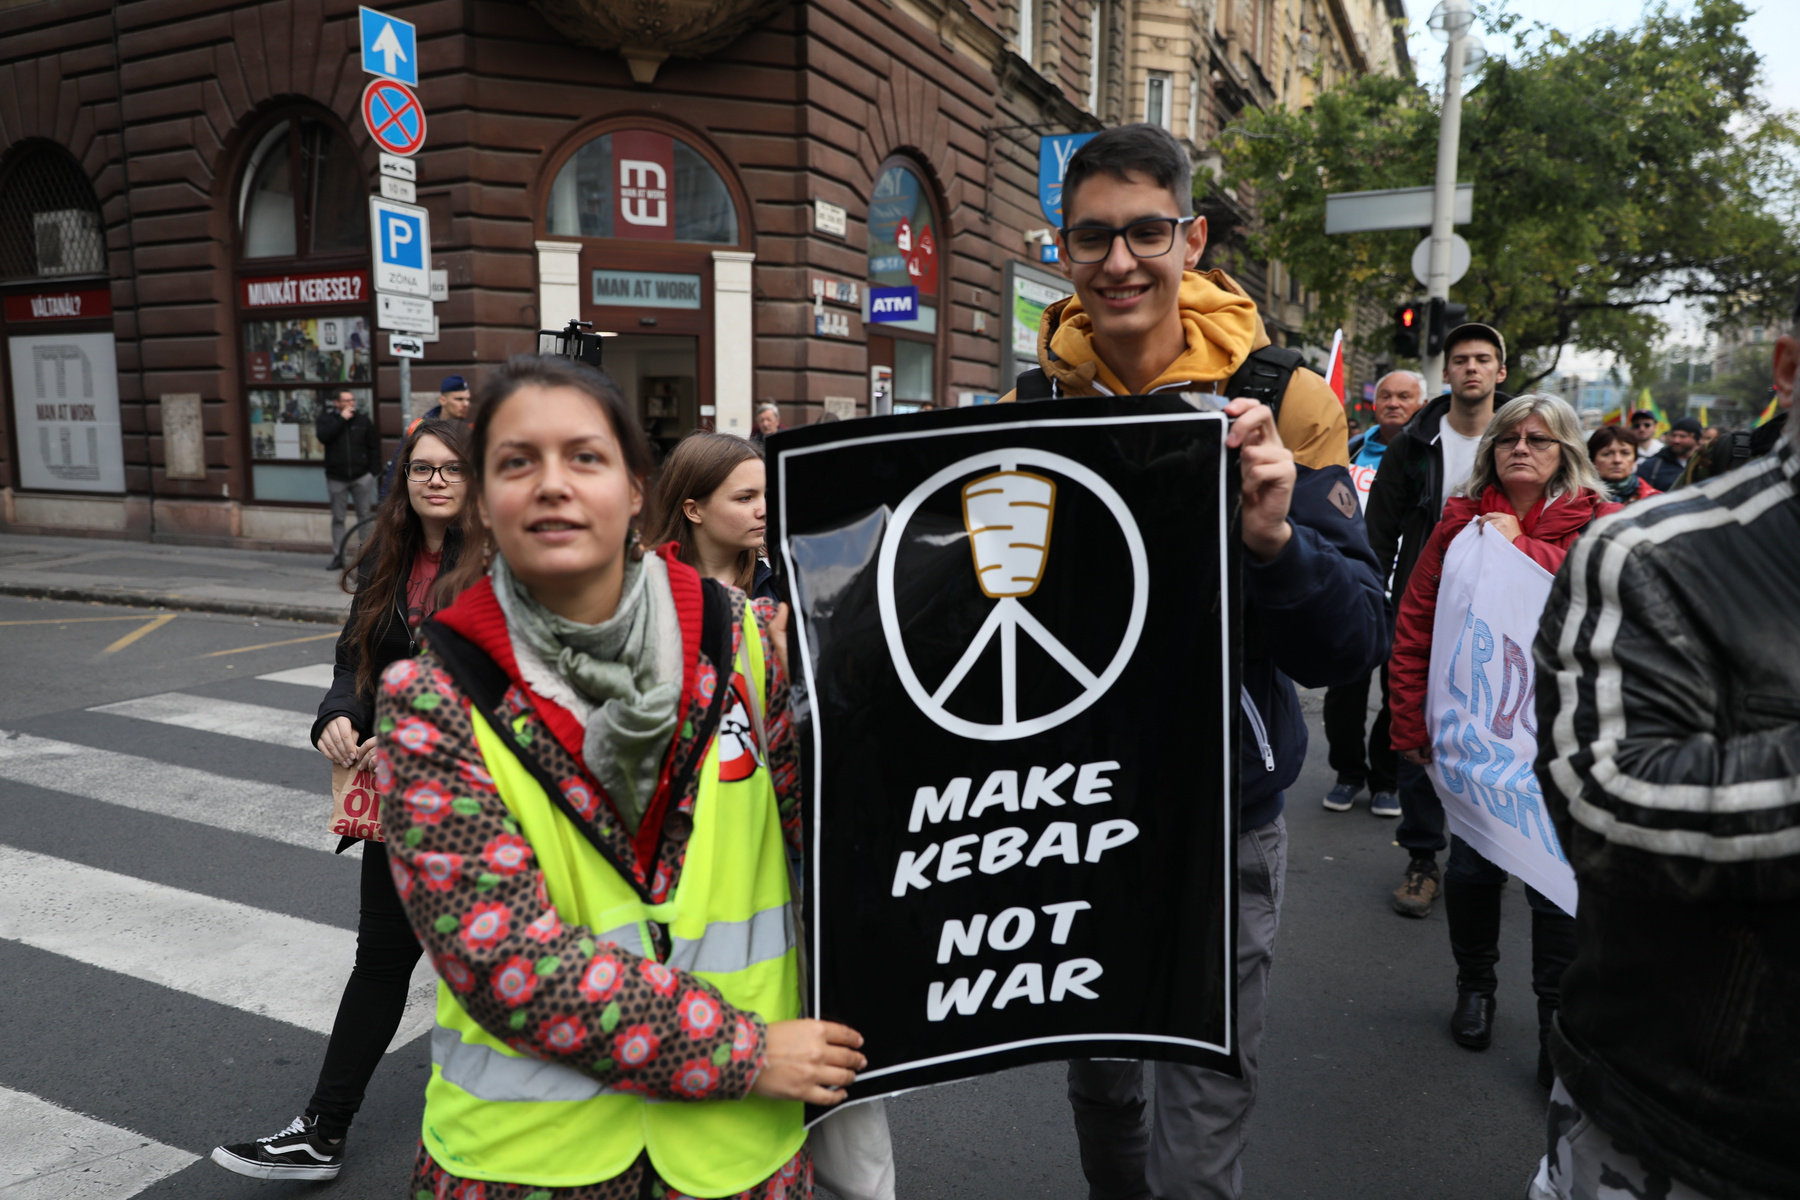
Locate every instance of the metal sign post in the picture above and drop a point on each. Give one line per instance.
(1453, 18)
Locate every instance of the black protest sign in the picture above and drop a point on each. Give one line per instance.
(1016, 694)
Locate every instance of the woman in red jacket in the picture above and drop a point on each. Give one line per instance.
(1533, 484)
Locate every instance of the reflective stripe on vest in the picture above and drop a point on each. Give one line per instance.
(495, 1113)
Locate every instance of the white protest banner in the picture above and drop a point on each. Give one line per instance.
(1364, 478)
(1479, 709)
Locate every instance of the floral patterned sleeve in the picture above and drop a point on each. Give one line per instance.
(783, 751)
(480, 907)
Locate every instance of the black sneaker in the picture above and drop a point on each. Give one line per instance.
(297, 1152)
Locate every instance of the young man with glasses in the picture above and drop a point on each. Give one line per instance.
(1427, 459)
(1144, 320)
(1143, 317)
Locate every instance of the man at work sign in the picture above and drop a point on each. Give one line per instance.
(1016, 677)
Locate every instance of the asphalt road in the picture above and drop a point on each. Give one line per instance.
(129, 1055)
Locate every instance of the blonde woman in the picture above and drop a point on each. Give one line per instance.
(1534, 484)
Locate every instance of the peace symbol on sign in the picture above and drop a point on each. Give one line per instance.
(393, 117)
(1009, 617)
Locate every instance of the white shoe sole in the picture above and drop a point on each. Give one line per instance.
(1383, 812)
(257, 1170)
(1346, 806)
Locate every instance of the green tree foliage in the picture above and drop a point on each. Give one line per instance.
(1612, 174)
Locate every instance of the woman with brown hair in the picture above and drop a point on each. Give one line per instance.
(1615, 457)
(582, 849)
(710, 502)
(403, 575)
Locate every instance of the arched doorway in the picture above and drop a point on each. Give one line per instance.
(645, 223)
(903, 268)
(305, 304)
(62, 362)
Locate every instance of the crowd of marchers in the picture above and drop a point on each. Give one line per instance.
(543, 644)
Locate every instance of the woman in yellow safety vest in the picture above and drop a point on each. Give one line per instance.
(593, 787)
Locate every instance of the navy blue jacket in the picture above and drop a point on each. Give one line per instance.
(1315, 615)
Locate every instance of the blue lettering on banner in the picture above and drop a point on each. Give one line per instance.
(1472, 767)
(893, 304)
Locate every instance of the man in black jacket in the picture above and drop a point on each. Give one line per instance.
(1663, 469)
(1668, 694)
(1427, 461)
(352, 456)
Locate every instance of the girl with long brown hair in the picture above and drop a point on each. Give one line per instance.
(711, 503)
(403, 575)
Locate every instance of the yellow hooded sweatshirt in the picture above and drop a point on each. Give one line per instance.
(1222, 328)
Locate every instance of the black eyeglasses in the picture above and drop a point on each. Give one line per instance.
(1150, 238)
(453, 472)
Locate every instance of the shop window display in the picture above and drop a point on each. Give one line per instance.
(309, 351)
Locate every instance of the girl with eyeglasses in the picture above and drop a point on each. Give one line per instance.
(404, 573)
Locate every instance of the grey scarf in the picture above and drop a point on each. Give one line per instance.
(622, 668)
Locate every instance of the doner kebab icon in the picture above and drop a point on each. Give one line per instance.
(1008, 514)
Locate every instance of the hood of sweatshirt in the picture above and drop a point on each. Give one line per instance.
(1218, 318)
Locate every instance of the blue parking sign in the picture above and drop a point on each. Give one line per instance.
(402, 237)
(389, 47)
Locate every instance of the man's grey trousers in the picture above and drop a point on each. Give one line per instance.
(1202, 1117)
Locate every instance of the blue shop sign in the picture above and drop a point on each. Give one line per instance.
(893, 304)
(1054, 154)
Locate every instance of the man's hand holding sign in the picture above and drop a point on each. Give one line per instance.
(1268, 472)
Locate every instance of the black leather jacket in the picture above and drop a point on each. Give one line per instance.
(1669, 699)
(1407, 496)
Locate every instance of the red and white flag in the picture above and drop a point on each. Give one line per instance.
(1334, 370)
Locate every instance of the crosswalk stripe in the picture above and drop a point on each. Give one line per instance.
(319, 675)
(51, 1153)
(255, 722)
(266, 810)
(285, 968)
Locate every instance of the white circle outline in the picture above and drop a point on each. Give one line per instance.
(890, 622)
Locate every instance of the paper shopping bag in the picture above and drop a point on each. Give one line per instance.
(355, 805)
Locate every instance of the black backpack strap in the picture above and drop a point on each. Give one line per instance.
(1264, 376)
(485, 683)
(1034, 385)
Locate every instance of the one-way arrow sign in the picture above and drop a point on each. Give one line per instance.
(389, 47)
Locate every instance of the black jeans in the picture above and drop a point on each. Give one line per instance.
(1421, 829)
(1346, 719)
(374, 999)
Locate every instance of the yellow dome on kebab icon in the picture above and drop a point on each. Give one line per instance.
(1008, 516)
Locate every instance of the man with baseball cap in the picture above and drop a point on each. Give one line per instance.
(1643, 432)
(452, 405)
(1427, 459)
(1663, 469)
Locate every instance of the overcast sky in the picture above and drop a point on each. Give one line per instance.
(1774, 31)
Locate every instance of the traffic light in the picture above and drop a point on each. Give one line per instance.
(1444, 317)
(1409, 322)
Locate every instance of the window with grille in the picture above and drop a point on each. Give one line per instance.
(50, 226)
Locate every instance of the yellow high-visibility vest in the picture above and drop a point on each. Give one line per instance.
(492, 1113)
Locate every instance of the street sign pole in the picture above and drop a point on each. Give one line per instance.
(405, 395)
(1457, 19)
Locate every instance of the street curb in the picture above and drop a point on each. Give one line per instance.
(235, 608)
